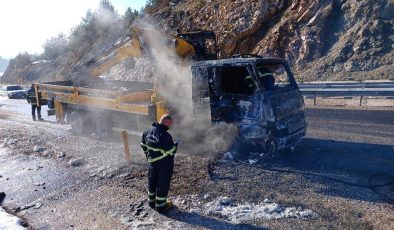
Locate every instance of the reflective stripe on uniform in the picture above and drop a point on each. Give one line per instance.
(161, 201)
(165, 153)
(265, 74)
(161, 205)
(250, 81)
(161, 198)
(151, 200)
(151, 194)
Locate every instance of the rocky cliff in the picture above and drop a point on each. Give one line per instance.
(322, 39)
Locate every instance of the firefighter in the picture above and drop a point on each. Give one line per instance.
(159, 149)
(267, 78)
(32, 99)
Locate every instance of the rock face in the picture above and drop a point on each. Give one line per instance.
(322, 39)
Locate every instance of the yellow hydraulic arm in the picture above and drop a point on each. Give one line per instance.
(114, 55)
(191, 45)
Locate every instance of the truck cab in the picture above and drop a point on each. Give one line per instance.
(257, 95)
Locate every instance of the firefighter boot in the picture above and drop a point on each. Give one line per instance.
(169, 205)
(34, 118)
(152, 204)
(151, 199)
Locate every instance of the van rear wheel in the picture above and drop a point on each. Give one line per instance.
(102, 126)
(77, 122)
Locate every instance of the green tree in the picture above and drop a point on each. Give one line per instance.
(156, 4)
(129, 17)
(21, 60)
(54, 47)
(104, 22)
(106, 5)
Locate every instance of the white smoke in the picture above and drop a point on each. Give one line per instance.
(174, 84)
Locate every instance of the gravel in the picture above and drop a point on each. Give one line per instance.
(344, 144)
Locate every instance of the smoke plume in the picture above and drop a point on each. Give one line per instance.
(174, 85)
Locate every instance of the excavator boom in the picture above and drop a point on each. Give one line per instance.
(199, 45)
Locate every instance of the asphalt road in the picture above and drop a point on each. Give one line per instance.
(343, 149)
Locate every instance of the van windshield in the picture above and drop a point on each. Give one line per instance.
(14, 87)
(273, 77)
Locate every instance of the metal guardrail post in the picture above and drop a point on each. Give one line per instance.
(314, 100)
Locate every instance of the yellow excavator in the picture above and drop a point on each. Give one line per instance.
(196, 46)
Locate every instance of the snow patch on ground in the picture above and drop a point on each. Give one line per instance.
(237, 213)
(8, 221)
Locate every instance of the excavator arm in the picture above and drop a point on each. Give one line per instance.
(200, 45)
(131, 49)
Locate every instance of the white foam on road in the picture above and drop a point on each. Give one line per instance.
(9, 222)
(237, 213)
(228, 209)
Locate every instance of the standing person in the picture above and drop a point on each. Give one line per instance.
(159, 149)
(32, 99)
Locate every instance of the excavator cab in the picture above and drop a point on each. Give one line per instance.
(201, 44)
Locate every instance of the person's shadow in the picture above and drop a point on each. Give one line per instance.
(199, 220)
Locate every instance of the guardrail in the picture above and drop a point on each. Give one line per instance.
(348, 85)
(353, 93)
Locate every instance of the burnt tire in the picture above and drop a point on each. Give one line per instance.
(220, 139)
(102, 126)
(78, 123)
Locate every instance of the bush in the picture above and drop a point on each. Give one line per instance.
(104, 22)
(21, 60)
(54, 47)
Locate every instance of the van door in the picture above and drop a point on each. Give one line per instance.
(280, 89)
(282, 94)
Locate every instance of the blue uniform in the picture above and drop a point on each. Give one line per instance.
(32, 99)
(159, 149)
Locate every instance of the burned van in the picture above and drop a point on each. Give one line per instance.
(259, 96)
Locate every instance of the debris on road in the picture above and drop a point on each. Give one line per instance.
(9, 141)
(61, 155)
(76, 162)
(35, 205)
(38, 149)
(39, 184)
(2, 196)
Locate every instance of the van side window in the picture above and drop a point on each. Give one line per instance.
(237, 80)
(273, 77)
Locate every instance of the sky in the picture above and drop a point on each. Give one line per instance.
(25, 24)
